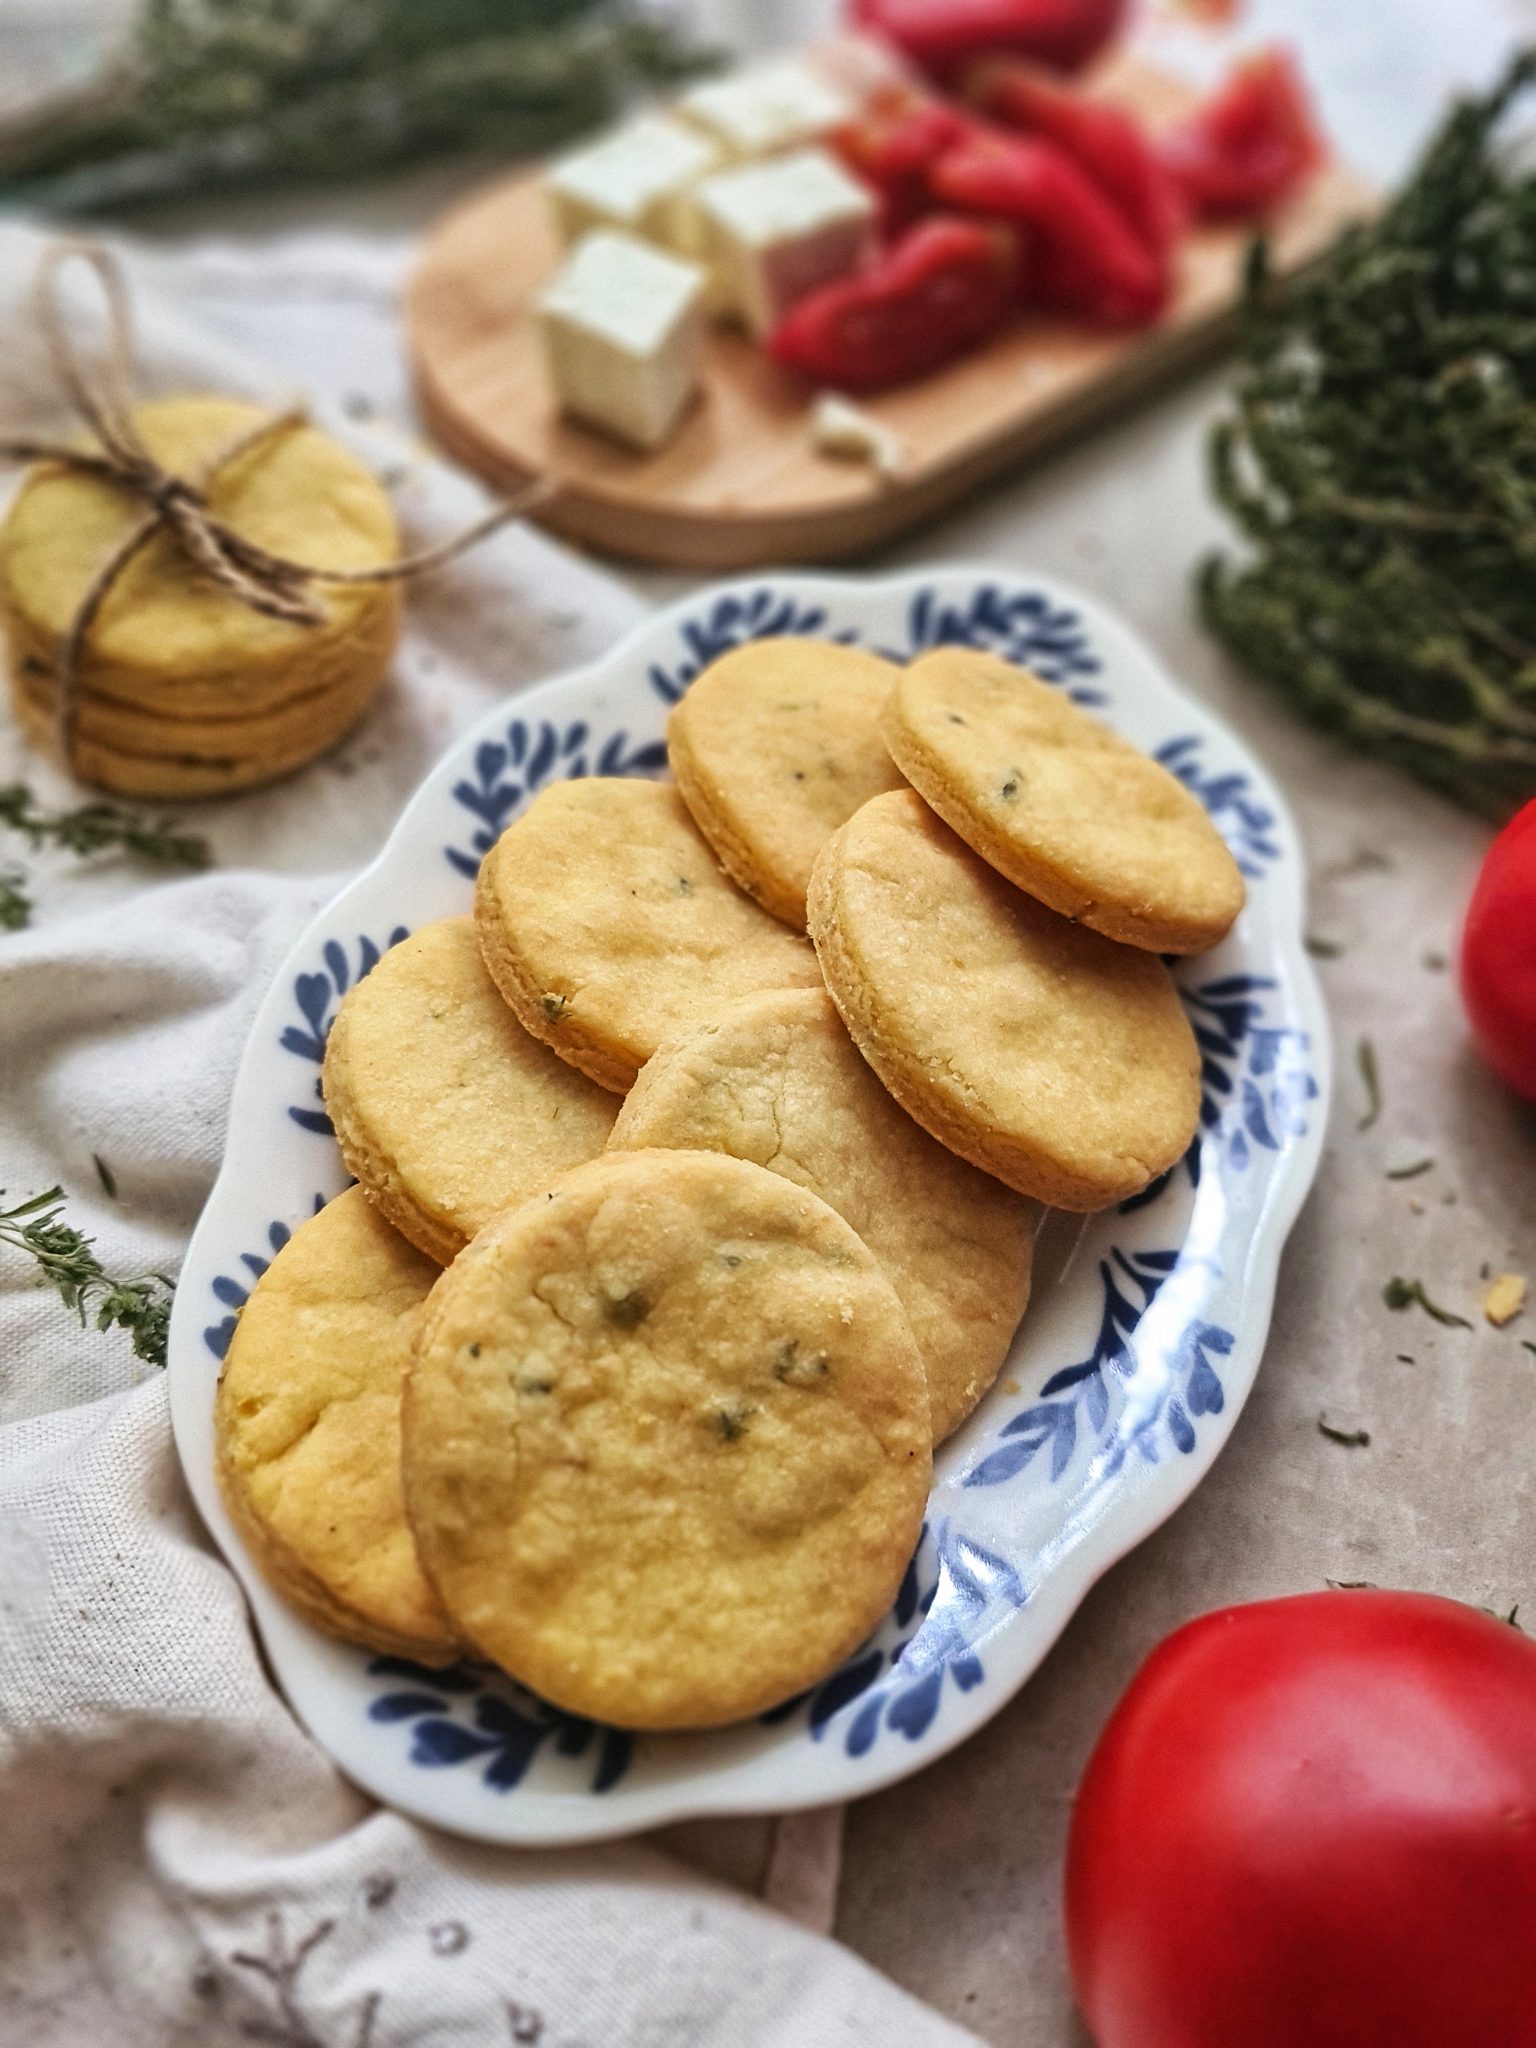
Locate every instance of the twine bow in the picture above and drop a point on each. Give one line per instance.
(265, 582)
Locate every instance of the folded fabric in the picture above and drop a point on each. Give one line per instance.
(178, 1863)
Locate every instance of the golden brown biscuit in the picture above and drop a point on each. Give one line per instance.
(666, 1441)
(1066, 809)
(445, 1109)
(1051, 1057)
(307, 1429)
(283, 733)
(171, 776)
(608, 927)
(774, 746)
(167, 642)
(776, 1079)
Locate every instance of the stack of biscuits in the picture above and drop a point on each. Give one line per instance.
(698, 1178)
(179, 688)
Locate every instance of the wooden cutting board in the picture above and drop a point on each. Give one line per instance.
(740, 484)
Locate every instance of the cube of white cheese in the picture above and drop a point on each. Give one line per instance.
(633, 178)
(775, 105)
(771, 232)
(623, 327)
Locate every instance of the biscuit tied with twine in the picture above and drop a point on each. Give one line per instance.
(268, 583)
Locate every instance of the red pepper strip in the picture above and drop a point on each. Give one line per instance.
(1251, 146)
(894, 153)
(1104, 141)
(945, 285)
(1083, 256)
(946, 37)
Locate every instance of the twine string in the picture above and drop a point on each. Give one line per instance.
(255, 576)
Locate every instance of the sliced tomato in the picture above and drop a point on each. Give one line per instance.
(1106, 143)
(943, 287)
(945, 37)
(1081, 255)
(1252, 146)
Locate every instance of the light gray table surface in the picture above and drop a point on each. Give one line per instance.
(951, 1881)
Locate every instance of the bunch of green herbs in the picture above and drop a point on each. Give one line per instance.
(210, 94)
(1381, 462)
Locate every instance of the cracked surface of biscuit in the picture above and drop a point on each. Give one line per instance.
(666, 1443)
(774, 746)
(445, 1108)
(1045, 1054)
(1063, 807)
(777, 1080)
(307, 1428)
(608, 925)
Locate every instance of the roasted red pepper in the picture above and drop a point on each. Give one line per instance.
(894, 149)
(944, 286)
(1251, 146)
(1105, 142)
(1081, 254)
(946, 37)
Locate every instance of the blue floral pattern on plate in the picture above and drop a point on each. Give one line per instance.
(1126, 1375)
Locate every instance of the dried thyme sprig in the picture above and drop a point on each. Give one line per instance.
(101, 828)
(212, 93)
(67, 1260)
(87, 830)
(1381, 462)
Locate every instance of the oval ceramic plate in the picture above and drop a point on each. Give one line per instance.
(1129, 1369)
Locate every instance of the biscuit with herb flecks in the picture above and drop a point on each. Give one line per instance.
(1066, 809)
(666, 1440)
(444, 1107)
(307, 1430)
(774, 746)
(1051, 1057)
(608, 925)
(776, 1079)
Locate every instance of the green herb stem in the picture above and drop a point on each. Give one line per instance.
(1400, 1294)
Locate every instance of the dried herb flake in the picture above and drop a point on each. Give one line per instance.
(1354, 1439)
(1365, 1060)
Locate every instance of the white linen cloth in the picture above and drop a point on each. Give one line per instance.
(178, 1863)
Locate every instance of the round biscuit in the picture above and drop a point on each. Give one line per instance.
(774, 746)
(165, 629)
(1063, 807)
(666, 1444)
(307, 1430)
(444, 1107)
(1045, 1054)
(777, 1080)
(608, 926)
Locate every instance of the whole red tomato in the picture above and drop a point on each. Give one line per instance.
(1311, 1823)
(1498, 955)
